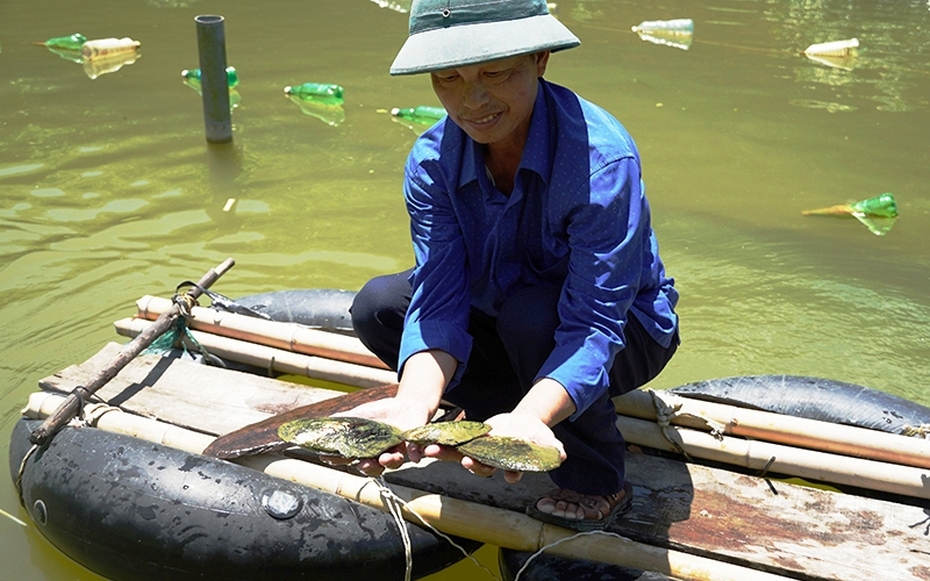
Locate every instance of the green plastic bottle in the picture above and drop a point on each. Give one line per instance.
(882, 206)
(192, 77)
(73, 42)
(323, 93)
(422, 114)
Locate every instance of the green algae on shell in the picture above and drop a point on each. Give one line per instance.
(516, 454)
(446, 433)
(344, 436)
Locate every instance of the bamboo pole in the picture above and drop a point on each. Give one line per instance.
(765, 456)
(289, 336)
(127, 353)
(482, 523)
(280, 360)
(783, 429)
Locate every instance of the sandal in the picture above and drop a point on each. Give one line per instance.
(595, 516)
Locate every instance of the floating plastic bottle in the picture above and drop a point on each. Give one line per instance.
(836, 48)
(877, 214)
(73, 42)
(193, 80)
(421, 114)
(321, 93)
(677, 33)
(882, 206)
(108, 47)
(67, 47)
(838, 53)
(402, 6)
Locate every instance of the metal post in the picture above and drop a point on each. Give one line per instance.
(211, 44)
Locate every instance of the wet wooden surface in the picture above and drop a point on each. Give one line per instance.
(793, 530)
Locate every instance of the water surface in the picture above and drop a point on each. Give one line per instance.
(108, 190)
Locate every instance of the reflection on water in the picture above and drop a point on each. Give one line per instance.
(402, 6)
(677, 33)
(109, 191)
(891, 57)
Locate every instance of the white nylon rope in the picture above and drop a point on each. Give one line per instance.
(395, 503)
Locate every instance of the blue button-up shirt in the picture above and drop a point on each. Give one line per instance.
(577, 216)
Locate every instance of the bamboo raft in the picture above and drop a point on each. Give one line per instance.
(719, 515)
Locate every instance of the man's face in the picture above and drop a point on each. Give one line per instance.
(492, 102)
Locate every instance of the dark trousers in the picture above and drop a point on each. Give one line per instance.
(507, 353)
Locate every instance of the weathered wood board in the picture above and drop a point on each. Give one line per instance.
(796, 531)
(203, 398)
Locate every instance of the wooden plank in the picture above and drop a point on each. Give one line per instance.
(203, 398)
(799, 531)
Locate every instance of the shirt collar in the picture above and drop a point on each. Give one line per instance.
(535, 154)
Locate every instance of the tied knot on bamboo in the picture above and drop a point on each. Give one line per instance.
(181, 329)
(667, 412)
(921, 431)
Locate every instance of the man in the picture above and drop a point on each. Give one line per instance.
(538, 292)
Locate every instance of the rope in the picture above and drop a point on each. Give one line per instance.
(394, 508)
(182, 330)
(13, 518)
(395, 503)
(559, 542)
(18, 482)
(86, 417)
(921, 431)
(94, 412)
(666, 413)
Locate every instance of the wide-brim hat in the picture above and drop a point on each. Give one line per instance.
(446, 34)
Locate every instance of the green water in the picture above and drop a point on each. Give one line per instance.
(108, 190)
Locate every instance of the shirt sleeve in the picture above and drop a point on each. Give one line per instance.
(439, 309)
(607, 236)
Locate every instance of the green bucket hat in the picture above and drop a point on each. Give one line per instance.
(445, 34)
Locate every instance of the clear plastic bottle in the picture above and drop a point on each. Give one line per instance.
(108, 47)
(422, 114)
(322, 93)
(682, 26)
(677, 33)
(836, 48)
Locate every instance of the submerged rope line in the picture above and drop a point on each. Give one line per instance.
(396, 501)
(13, 518)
